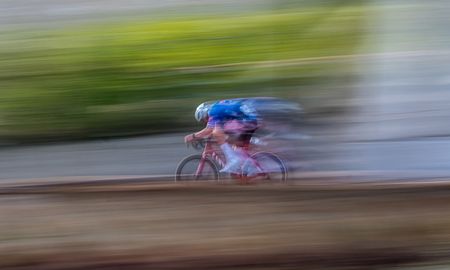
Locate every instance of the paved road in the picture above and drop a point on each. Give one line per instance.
(139, 156)
(136, 156)
(160, 154)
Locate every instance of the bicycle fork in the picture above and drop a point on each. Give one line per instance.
(200, 167)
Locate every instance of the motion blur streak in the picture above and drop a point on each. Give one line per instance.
(96, 97)
(401, 103)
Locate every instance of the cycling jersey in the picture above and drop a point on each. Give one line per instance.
(232, 109)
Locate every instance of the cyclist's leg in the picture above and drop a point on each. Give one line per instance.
(239, 133)
(219, 135)
(251, 168)
(233, 159)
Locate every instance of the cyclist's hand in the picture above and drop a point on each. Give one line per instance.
(189, 138)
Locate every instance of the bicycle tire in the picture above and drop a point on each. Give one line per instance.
(185, 174)
(277, 171)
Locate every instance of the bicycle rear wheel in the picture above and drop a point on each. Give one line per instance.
(272, 166)
(195, 167)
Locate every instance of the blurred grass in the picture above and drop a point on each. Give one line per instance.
(146, 76)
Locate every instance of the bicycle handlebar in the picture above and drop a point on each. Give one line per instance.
(199, 144)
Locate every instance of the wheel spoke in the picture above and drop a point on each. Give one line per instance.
(272, 166)
(196, 167)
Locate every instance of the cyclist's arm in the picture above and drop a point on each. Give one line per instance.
(204, 133)
(208, 130)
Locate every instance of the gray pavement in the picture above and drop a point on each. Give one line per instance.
(157, 156)
(153, 155)
(148, 156)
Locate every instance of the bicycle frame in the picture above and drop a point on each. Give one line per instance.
(212, 151)
(209, 151)
(270, 167)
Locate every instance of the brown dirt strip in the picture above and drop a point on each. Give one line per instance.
(135, 225)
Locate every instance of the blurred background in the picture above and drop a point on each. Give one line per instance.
(106, 89)
(92, 71)
(370, 76)
(83, 69)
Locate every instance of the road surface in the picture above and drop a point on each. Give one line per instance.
(157, 155)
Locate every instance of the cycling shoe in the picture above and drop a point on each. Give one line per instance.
(252, 170)
(233, 167)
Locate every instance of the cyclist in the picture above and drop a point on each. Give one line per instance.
(228, 121)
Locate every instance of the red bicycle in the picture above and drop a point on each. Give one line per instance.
(206, 166)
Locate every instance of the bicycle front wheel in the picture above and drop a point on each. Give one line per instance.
(195, 167)
(272, 166)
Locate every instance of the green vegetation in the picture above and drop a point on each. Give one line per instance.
(135, 77)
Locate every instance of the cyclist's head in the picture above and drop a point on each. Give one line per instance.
(201, 113)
